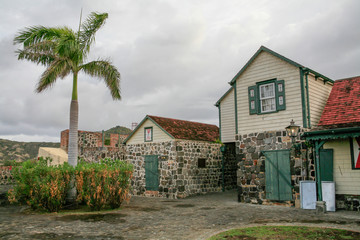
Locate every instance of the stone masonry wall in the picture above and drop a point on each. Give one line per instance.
(88, 139)
(251, 165)
(95, 154)
(179, 173)
(5, 175)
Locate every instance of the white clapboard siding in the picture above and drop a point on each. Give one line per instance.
(265, 67)
(347, 180)
(318, 95)
(158, 134)
(227, 118)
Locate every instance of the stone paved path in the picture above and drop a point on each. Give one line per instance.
(196, 217)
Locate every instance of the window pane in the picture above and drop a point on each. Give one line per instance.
(268, 105)
(267, 90)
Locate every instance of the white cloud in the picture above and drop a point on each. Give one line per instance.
(175, 58)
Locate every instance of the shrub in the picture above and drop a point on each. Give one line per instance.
(45, 187)
(41, 186)
(103, 185)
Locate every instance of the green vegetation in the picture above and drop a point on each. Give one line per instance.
(64, 52)
(21, 151)
(118, 130)
(99, 186)
(103, 185)
(41, 186)
(286, 232)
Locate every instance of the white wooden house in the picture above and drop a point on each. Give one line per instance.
(337, 143)
(265, 95)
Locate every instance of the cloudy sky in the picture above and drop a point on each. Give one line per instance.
(175, 57)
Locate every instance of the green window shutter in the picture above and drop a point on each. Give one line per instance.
(280, 95)
(253, 106)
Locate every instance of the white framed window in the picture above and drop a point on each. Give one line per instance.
(148, 131)
(267, 97)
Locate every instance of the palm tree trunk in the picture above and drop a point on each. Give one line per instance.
(73, 133)
(73, 139)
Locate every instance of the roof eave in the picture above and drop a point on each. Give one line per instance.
(335, 133)
(217, 104)
(326, 79)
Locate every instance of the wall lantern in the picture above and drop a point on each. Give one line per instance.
(292, 130)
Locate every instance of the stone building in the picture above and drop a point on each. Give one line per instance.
(94, 146)
(175, 158)
(265, 95)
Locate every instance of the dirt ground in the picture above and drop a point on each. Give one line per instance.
(197, 217)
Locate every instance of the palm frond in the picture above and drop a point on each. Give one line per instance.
(36, 34)
(40, 53)
(58, 68)
(105, 70)
(88, 29)
(68, 47)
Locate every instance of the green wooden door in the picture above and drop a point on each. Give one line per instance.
(151, 173)
(326, 164)
(278, 175)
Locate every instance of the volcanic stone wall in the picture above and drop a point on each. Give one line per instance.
(5, 175)
(95, 154)
(251, 164)
(179, 172)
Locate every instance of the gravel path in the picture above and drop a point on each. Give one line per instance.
(197, 217)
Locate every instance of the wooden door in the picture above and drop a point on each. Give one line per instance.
(151, 173)
(278, 175)
(326, 164)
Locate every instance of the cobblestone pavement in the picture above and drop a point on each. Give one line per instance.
(197, 217)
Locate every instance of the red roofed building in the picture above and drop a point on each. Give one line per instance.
(176, 158)
(343, 106)
(187, 130)
(337, 144)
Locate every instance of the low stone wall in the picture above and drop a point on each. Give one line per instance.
(6, 177)
(348, 202)
(251, 164)
(95, 154)
(88, 139)
(178, 169)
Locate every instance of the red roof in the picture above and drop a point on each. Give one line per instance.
(181, 129)
(343, 106)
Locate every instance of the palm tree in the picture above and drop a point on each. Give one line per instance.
(64, 51)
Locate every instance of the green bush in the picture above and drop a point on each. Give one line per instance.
(11, 163)
(41, 186)
(45, 187)
(103, 185)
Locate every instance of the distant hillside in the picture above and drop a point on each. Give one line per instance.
(21, 151)
(119, 130)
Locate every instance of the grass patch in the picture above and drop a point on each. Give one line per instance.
(286, 232)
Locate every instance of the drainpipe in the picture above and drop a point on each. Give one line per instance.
(318, 145)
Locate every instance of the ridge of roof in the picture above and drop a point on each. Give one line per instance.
(263, 48)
